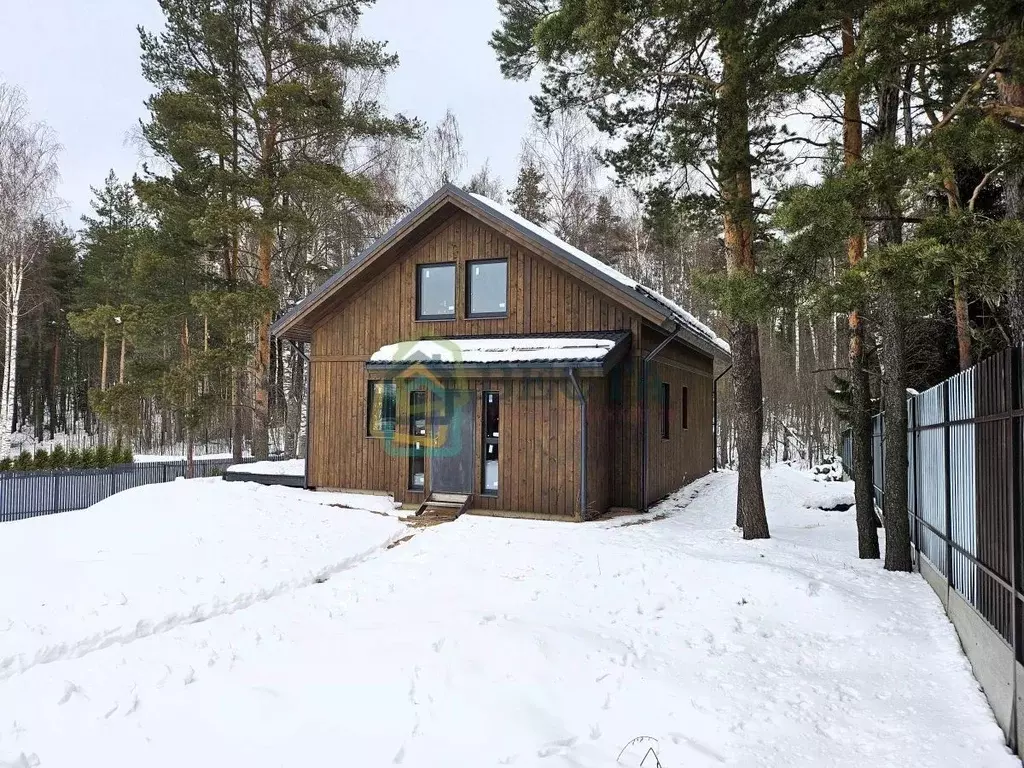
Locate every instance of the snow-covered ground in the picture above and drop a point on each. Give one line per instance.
(296, 467)
(490, 642)
(152, 558)
(149, 458)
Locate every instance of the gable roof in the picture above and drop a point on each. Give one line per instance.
(298, 322)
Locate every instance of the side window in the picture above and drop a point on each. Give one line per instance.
(487, 288)
(417, 434)
(435, 292)
(686, 407)
(491, 436)
(380, 408)
(666, 412)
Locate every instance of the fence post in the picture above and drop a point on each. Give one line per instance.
(915, 433)
(1014, 382)
(164, 467)
(56, 491)
(947, 491)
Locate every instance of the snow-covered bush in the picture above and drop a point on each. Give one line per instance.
(830, 470)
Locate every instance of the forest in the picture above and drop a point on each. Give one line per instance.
(837, 188)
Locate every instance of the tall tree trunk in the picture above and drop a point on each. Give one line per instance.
(860, 386)
(1011, 92)
(261, 425)
(12, 303)
(120, 364)
(265, 247)
(55, 386)
(733, 139)
(894, 366)
(186, 417)
(296, 397)
(103, 363)
(963, 327)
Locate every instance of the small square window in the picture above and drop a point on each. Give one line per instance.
(381, 409)
(435, 292)
(487, 288)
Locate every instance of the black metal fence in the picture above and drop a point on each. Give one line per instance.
(30, 494)
(966, 471)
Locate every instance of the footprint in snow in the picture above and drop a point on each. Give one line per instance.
(70, 689)
(559, 747)
(438, 645)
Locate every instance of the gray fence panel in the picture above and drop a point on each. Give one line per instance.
(31, 494)
(963, 514)
(931, 473)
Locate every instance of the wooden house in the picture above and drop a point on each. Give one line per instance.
(470, 357)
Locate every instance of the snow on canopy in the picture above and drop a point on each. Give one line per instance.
(495, 350)
(680, 315)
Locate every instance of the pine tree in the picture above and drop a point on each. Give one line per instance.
(252, 95)
(485, 183)
(684, 88)
(606, 237)
(528, 198)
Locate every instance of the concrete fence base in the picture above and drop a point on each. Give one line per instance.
(991, 657)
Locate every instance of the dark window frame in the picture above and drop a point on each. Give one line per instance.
(489, 440)
(686, 407)
(420, 317)
(371, 386)
(666, 411)
(470, 315)
(417, 455)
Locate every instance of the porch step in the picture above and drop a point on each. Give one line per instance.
(449, 497)
(441, 508)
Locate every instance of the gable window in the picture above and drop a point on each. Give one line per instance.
(686, 407)
(666, 416)
(435, 292)
(380, 409)
(487, 288)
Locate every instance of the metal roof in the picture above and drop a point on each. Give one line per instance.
(528, 357)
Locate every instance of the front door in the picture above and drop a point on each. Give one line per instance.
(452, 455)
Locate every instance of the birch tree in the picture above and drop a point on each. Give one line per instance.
(28, 175)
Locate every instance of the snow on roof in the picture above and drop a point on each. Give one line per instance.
(496, 350)
(681, 315)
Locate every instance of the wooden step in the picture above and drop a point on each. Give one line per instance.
(453, 497)
(442, 507)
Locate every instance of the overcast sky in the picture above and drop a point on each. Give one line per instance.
(78, 62)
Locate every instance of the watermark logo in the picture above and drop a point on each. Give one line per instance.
(432, 411)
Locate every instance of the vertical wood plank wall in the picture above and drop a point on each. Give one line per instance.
(688, 453)
(540, 418)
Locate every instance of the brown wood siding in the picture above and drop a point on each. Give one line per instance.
(541, 298)
(541, 418)
(599, 438)
(688, 453)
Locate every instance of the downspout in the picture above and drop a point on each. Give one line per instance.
(644, 451)
(583, 443)
(309, 412)
(714, 429)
